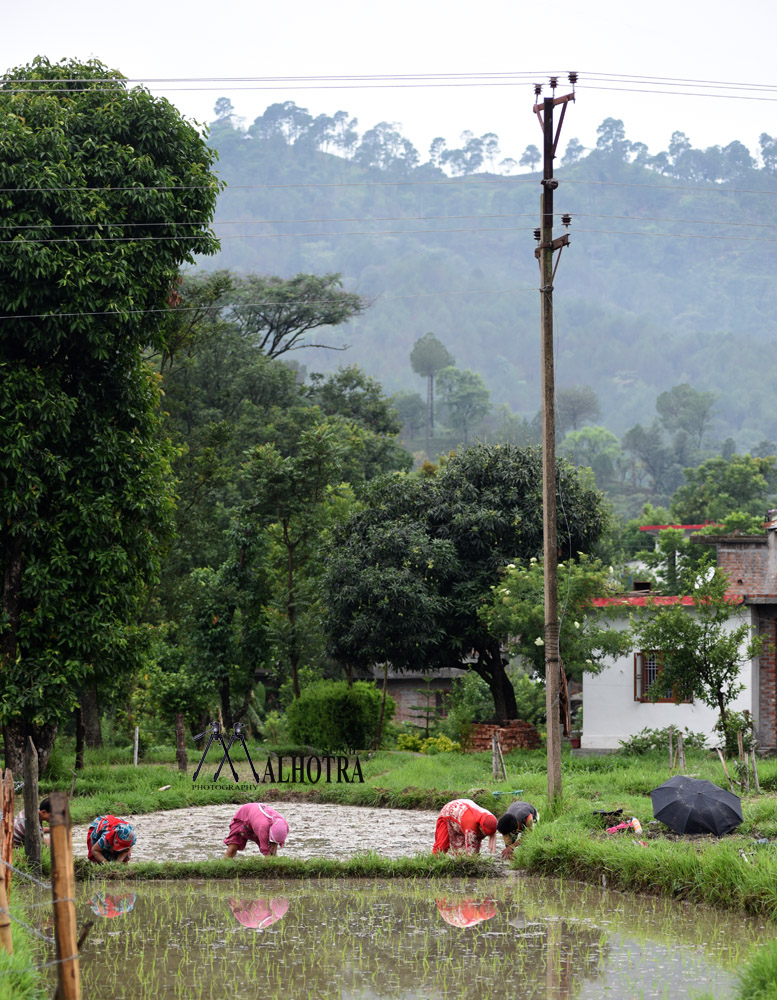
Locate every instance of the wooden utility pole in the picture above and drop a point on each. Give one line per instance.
(63, 887)
(544, 253)
(32, 839)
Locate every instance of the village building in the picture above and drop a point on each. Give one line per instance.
(615, 705)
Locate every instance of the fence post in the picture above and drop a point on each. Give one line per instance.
(5, 921)
(180, 742)
(63, 897)
(31, 821)
(7, 846)
(135, 753)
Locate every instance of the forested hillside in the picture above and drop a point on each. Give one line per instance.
(669, 278)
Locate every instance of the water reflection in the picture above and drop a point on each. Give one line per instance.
(259, 913)
(466, 912)
(111, 905)
(364, 940)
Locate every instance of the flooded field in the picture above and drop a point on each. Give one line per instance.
(364, 940)
(315, 831)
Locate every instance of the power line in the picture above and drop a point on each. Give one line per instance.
(251, 305)
(368, 218)
(473, 180)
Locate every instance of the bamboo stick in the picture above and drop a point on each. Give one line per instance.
(723, 762)
(63, 897)
(755, 772)
(5, 921)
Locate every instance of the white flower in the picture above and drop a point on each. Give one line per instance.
(577, 624)
(533, 559)
(506, 591)
(511, 565)
(588, 662)
(539, 641)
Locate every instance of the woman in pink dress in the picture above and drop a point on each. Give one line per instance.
(260, 823)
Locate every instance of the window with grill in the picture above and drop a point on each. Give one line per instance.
(647, 668)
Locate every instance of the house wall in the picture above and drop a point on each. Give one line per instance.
(611, 714)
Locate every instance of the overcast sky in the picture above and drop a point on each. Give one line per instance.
(692, 39)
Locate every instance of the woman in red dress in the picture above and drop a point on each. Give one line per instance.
(462, 826)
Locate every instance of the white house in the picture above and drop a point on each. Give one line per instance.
(615, 705)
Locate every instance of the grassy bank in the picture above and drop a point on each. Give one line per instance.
(368, 865)
(19, 978)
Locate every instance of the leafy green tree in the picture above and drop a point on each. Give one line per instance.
(408, 571)
(85, 480)
(466, 398)
(411, 409)
(596, 448)
(683, 408)
(290, 498)
(701, 654)
(574, 152)
(428, 357)
(612, 138)
(530, 157)
(517, 610)
(575, 405)
(718, 488)
(277, 314)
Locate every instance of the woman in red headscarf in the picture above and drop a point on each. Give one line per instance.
(461, 826)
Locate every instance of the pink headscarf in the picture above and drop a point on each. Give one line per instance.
(279, 831)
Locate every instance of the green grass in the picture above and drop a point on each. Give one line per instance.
(19, 979)
(367, 865)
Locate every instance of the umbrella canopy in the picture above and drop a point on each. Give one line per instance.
(689, 805)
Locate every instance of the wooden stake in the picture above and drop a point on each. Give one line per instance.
(7, 837)
(5, 921)
(501, 756)
(681, 751)
(63, 896)
(494, 758)
(755, 771)
(180, 737)
(723, 762)
(135, 752)
(671, 748)
(743, 762)
(31, 821)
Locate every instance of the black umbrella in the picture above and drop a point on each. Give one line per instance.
(689, 805)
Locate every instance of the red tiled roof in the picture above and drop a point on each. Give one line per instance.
(686, 527)
(632, 600)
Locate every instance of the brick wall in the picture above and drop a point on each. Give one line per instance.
(767, 726)
(746, 566)
(513, 735)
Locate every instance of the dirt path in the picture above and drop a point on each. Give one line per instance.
(315, 831)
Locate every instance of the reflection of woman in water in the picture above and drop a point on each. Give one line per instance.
(112, 906)
(259, 913)
(467, 912)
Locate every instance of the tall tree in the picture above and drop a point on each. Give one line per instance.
(719, 487)
(428, 357)
(408, 572)
(684, 408)
(85, 481)
(576, 405)
(277, 314)
(465, 396)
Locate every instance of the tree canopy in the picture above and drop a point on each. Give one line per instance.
(89, 168)
(409, 571)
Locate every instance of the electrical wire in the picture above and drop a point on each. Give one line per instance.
(249, 305)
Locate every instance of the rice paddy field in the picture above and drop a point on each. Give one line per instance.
(537, 939)
(355, 906)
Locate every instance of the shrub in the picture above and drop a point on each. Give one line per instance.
(736, 722)
(409, 741)
(335, 717)
(439, 744)
(648, 740)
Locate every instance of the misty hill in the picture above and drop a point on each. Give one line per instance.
(669, 277)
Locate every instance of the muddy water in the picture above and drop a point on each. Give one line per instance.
(365, 940)
(315, 831)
